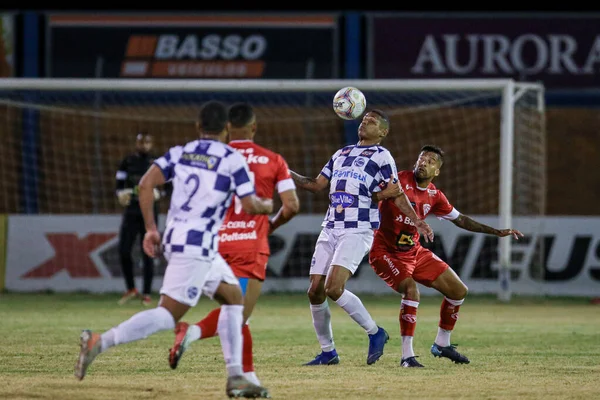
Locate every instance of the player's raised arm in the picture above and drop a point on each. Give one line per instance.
(469, 224)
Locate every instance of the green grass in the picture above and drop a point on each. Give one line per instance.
(532, 348)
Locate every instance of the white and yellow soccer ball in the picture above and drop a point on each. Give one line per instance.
(349, 103)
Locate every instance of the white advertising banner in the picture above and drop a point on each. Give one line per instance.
(558, 256)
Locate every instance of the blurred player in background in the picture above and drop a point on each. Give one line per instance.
(131, 169)
(205, 175)
(399, 259)
(355, 175)
(243, 237)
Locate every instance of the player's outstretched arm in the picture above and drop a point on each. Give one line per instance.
(290, 206)
(253, 204)
(151, 179)
(469, 224)
(407, 209)
(311, 184)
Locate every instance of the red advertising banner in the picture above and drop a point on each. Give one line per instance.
(561, 51)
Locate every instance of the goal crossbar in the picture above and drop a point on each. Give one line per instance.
(256, 85)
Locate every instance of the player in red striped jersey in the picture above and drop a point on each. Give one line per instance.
(243, 239)
(399, 259)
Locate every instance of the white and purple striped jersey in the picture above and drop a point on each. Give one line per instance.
(355, 173)
(205, 174)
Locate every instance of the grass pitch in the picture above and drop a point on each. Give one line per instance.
(532, 348)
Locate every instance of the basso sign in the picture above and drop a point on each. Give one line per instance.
(563, 52)
(558, 256)
(192, 46)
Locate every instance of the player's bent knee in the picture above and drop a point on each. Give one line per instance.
(228, 294)
(316, 295)
(458, 292)
(334, 292)
(412, 292)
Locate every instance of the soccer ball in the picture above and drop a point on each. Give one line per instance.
(349, 103)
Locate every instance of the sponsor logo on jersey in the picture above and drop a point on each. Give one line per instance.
(238, 225)
(349, 174)
(367, 153)
(200, 160)
(432, 192)
(254, 159)
(341, 200)
(346, 151)
(224, 237)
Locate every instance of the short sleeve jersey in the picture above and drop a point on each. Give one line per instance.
(205, 174)
(397, 231)
(355, 173)
(242, 232)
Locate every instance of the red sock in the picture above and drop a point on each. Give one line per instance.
(247, 359)
(449, 313)
(408, 317)
(208, 325)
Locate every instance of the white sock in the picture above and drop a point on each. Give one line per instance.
(230, 334)
(443, 337)
(321, 316)
(140, 326)
(357, 311)
(251, 376)
(194, 332)
(407, 347)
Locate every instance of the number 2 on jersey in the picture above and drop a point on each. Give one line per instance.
(237, 203)
(195, 185)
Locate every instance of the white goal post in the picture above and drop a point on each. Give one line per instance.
(494, 130)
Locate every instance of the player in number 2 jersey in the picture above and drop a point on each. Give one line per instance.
(205, 174)
(243, 238)
(400, 260)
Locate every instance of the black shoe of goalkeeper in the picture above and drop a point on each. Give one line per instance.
(450, 353)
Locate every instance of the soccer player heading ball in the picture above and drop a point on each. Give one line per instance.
(355, 175)
(400, 260)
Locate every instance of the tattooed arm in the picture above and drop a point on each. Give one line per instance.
(311, 184)
(469, 224)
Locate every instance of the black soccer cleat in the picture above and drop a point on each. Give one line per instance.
(411, 362)
(449, 352)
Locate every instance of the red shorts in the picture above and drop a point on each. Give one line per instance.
(247, 265)
(394, 267)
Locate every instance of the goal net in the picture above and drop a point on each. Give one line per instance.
(64, 139)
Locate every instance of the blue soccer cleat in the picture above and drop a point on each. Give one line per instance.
(450, 353)
(325, 358)
(376, 343)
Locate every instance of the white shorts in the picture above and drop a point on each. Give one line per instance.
(343, 247)
(187, 277)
